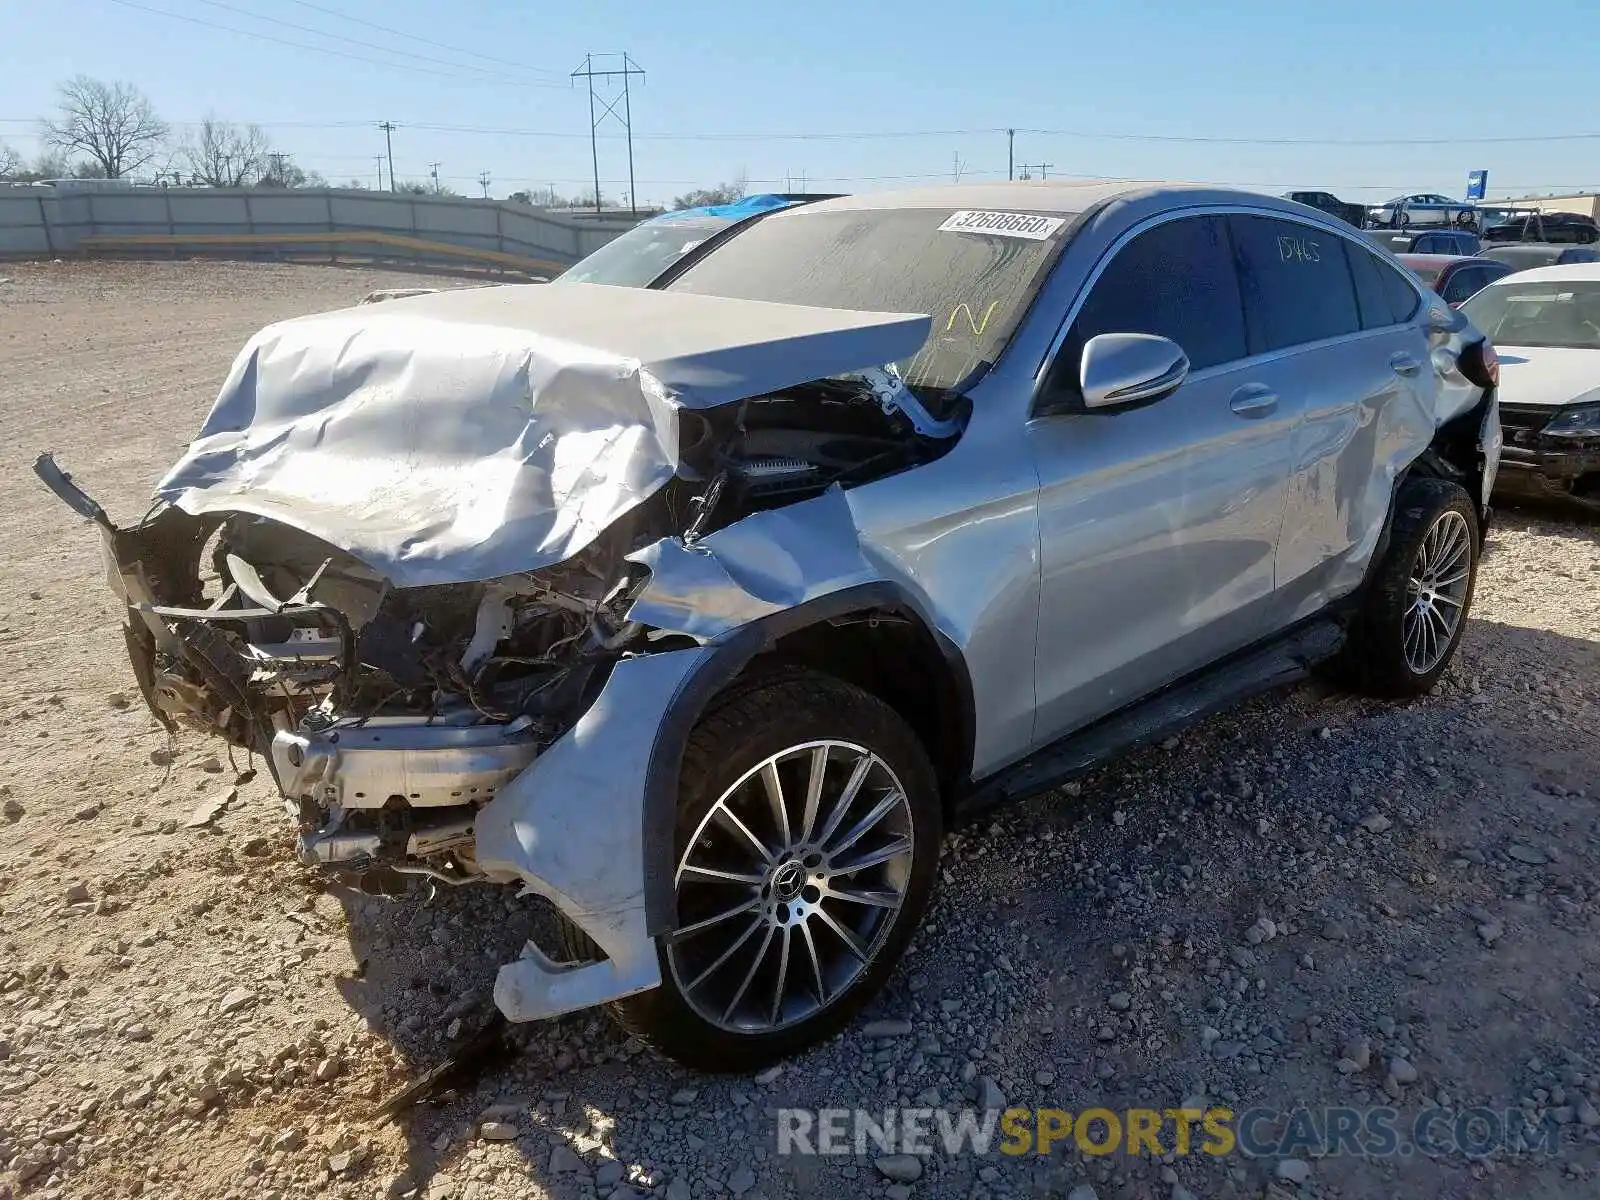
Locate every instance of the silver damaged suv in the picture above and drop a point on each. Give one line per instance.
(700, 610)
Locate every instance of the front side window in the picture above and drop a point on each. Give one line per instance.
(1296, 285)
(1558, 312)
(1175, 280)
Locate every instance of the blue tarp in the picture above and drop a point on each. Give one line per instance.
(737, 211)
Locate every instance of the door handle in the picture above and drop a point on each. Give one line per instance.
(1404, 364)
(1253, 400)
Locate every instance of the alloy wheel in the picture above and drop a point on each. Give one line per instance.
(789, 886)
(1436, 592)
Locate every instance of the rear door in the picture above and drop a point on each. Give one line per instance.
(1339, 322)
(1157, 525)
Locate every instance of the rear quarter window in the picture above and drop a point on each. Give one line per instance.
(1383, 295)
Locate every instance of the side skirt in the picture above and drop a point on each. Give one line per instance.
(1286, 659)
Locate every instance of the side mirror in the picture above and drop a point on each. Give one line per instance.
(1126, 370)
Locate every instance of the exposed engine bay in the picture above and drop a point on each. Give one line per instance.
(391, 714)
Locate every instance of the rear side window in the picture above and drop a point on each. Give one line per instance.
(1297, 287)
(1462, 283)
(1382, 294)
(1176, 280)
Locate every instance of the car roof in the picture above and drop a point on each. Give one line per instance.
(1437, 260)
(1564, 273)
(1065, 196)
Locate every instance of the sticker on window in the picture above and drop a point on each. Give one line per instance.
(1002, 224)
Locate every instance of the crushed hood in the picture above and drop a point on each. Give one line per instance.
(1548, 376)
(469, 434)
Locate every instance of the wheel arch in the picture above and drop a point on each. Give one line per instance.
(876, 636)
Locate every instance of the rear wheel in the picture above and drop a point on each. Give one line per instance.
(807, 841)
(1415, 610)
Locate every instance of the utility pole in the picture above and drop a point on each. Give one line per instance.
(388, 141)
(277, 157)
(625, 72)
(955, 172)
(433, 169)
(379, 159)
(1044, 169)
(1011, 154)
(483, 180)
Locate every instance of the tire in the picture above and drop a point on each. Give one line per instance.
(785, 718)
(1395, 648)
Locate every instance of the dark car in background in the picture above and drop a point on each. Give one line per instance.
(1454, 276)
(1523, 256)
(1545, 227)
(1354, 214)
(1433, 241)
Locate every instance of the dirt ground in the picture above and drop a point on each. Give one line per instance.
(1310, 901)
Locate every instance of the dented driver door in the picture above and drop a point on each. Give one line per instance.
(1157, 525)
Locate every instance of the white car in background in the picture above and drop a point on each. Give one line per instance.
(1425, 208)
(1545, 326)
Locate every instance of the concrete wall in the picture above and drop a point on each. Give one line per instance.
(41, 221)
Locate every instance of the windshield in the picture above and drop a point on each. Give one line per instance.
(637, 257)
(974, 273)
(1557, 312)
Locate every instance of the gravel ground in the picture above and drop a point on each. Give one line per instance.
(1312, 900)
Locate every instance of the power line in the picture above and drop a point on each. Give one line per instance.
(497, 76)
(267, 37)
(505, 62)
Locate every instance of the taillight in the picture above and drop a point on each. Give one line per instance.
(1481, 364)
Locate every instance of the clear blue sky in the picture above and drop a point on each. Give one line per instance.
(1307, 71)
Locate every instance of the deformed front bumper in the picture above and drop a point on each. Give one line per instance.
(1539, 466)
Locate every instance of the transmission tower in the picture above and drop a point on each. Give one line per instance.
(624, 71)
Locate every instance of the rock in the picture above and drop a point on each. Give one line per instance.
(742, 1180)
(1083, 1192)
(1044, 1078)
(236, 1000)
(679, 1189)
(117, 700)
(400, 1185)
(902, 1168)
(139, 1096)
(13, 809)
(564, 1162)
(1293, 1170)
(886, 1029)
(328, 1070)
(1359, 1051)
(898, 1191)
(990, 1097)
(1376, 823)
(1401, 1071)
(210, 764)
(685, 1095)
(1335, 931)
(136, 1032)
(1491, 932)
(161, 756)
(209, 809)
(767, 1075)
(1531, 855)
(289, 1139)
(1588, 1115)
(609, 1175)
(63, 1133)
(1262, 931)
(78, 893)
(1120, 1001)
(497, 1131)
(344, 1162)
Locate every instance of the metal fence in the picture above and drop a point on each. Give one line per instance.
(39, 221)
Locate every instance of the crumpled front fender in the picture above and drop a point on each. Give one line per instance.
(589, 826)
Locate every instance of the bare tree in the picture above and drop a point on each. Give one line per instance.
(113, 123)
(723, 193)
(10, 162)
(222, 154)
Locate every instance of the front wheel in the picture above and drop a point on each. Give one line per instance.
(807, 843)
(1415, 609)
